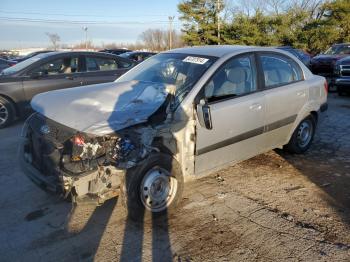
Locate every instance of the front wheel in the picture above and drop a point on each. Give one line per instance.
(302, 137)
(7, 112)
(155, 186)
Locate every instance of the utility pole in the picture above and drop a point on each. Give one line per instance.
(218, 19)
(171, 19)
(85, 28)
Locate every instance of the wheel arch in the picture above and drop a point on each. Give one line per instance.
(14, 104)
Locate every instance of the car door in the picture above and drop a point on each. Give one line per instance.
(237, 109)
(285, 92)
(52, 74)
(102, 69)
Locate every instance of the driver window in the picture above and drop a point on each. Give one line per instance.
(237, 77)
(66, 65)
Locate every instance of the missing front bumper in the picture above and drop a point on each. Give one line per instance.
(90, 187)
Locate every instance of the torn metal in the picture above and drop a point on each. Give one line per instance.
(84, 153)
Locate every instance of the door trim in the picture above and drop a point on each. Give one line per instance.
(247, 135)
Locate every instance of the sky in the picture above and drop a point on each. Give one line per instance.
(24, 23)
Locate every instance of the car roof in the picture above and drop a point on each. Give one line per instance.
(340, 44)
(44, 55)
(219, 50)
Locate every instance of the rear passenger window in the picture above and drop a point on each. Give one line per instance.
(100, 64)
(279, 70)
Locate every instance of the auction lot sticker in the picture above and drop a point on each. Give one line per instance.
(195, 60)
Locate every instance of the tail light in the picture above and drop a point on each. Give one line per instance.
(326, 86)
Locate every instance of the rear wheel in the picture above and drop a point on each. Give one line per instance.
(302, 137)
(7, 112)
(154, 187)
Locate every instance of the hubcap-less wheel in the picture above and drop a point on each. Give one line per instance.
(305, 132)
(158, 189)
(4, 113)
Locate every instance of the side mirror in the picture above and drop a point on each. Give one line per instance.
(36, 75)
(204, 115)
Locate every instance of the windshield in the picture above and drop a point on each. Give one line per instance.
(180, 70)
(18, 67)
(338, 50)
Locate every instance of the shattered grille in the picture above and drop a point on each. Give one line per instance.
(56, 132)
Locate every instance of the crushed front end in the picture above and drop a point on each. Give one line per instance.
(78, 165)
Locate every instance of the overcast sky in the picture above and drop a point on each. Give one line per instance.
(24, 23)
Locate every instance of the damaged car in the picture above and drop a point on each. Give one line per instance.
(178, 115)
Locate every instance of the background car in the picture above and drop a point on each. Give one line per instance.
(342, 76)
(116, 51)
(20, 59)
(5, 64)
(51, 71)
(323, 64)
(302, 55)
(137, 56)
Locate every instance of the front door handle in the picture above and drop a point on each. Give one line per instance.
(256, 107)
(69, 77)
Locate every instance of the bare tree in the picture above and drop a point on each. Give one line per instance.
(54, 39)
(158, 39)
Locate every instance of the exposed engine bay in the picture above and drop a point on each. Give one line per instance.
(85, 166)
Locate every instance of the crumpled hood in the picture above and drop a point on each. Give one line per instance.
(103, 108)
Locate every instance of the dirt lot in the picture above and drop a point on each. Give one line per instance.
(276, 207)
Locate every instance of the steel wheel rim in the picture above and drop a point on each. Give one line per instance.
(4, 113)
(158, 189)
(305, 131)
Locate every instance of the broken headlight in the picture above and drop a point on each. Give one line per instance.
(84, 147)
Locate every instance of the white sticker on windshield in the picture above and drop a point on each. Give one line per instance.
(195, 60)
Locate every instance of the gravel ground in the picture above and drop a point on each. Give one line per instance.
(276, 207)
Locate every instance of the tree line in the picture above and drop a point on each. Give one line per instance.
(312, 25)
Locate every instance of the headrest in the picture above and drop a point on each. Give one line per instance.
(236, 75)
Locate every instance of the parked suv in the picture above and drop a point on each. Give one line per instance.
(324, 64)
(342, 76)
(176, 116)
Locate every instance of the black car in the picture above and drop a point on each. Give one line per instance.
(116, 51)
(20, 59)
(300, 54)
(51, 71)
(342, 75)
(137, 56)
(5, 64)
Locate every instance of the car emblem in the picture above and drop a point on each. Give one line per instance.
(45, 129)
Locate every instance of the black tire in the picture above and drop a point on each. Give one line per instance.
(295, 144)
(7, 112)
(131, 192)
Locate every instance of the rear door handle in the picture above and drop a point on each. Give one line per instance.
(256, 107)
(301, 94)
(69, 77)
